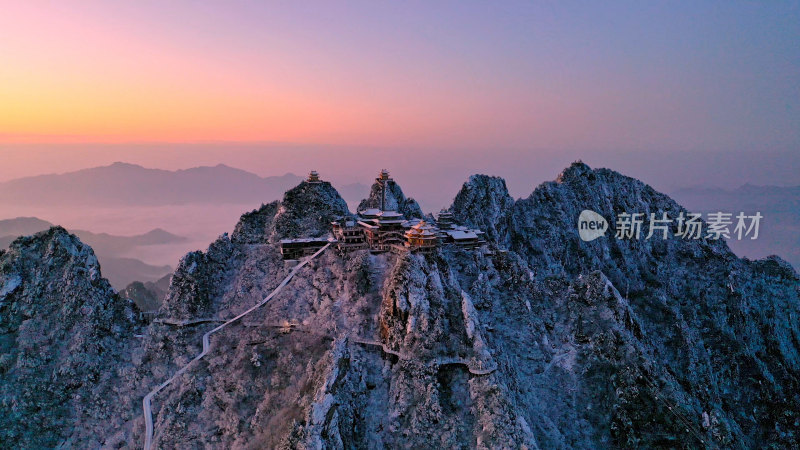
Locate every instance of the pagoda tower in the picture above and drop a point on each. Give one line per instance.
(383, 179)
(313, 177)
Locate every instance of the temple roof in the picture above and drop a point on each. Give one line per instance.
(304, 241)
(422, 229)
(370, 212)
(462, 235)
(390, 214)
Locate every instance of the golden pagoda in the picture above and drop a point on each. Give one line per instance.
(422, 236)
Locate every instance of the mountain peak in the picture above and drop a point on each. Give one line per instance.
(484, 203)
(385, 193)
(124, 165)
(58, 246)
(480, 343)
(308, 209)
(62, 325)
(575, 170)
(19, 226)
(123, 184)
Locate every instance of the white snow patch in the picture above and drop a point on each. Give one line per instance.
(320, 410)
(402, 303)
(94, 272)
(472, 322)
(470, 315)
(11, 283)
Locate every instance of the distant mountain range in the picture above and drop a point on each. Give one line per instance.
(129, 184)
(120, 270)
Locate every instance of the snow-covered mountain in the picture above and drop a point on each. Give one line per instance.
(545, 341)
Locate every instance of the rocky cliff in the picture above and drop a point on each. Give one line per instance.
(65, 337)
(716, 336)
(545, 341)
(484, 203)
(305, 211)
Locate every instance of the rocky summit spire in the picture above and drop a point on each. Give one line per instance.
(386, 194)
(62, 328)
(308, 209)
(484, 203)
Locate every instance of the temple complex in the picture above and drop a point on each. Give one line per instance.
(381, 230)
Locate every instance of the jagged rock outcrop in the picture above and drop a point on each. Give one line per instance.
(395, 200)
(200, 278)
(305, 211)
(484, 203)
(328, 321)
(721, 330)
(64, 333)
(255, 226)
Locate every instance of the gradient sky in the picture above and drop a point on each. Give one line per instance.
(577, 76)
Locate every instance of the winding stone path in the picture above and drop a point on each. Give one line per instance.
(187, 322)
(480, 370)
(146, 403)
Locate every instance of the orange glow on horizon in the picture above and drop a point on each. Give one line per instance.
(66, 78)
(422, 76)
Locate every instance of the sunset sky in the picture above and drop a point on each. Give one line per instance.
(674, 93)
(633, 75)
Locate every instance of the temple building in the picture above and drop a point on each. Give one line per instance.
(313, 177)
(383, 179)
(298, 248)
(422, 237)
(349, 235)
(444, 221)
(465, 238)
(381, 230)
